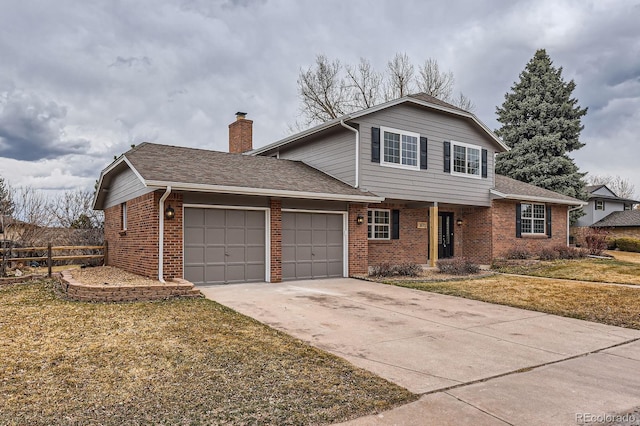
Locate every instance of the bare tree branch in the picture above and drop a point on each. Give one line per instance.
(622, 187)
(322, 91)
(400, 76)
(433, 82)
(364, 85)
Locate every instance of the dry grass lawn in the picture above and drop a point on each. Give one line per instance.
(625, 256)
(171, 362)
(597, 270)
(607, 304)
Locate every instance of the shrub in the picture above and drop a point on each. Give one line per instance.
(628, 244)
(386, 269)
(611, 244)
(596, 240)
(518, 252)
(566, 252)
(408, 269)
(457, 266)
(382, 270)
(549, 254)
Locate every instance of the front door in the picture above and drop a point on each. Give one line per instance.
(445, 235)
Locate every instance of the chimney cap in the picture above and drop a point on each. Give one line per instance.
(241, 114)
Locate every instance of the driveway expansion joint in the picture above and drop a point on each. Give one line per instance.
(479, 409)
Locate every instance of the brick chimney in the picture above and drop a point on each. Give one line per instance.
(241, 134)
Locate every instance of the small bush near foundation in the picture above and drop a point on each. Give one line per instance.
(596, 240)
(566, 252)
(611, 243)
(408, 269)
(386, 269)
(549, 254)
(457, 266)
(382, 270)
(628, 244)
(518, 252)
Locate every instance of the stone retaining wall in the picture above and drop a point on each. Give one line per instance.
(78, 291)
(22, 279)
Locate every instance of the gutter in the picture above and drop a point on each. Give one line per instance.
(161, 234)
(538, 199)
(357, 132)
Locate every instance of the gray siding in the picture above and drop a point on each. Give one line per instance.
(604, 191)
(224, 200)
(431, 184)
(124, 186)
(592, 215)
(334, 154)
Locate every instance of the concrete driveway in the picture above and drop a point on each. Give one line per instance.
(474, 362)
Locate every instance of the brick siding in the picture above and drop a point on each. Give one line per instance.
(358, 244)
(276, 240)
(504, 229)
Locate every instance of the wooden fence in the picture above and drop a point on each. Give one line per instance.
(12, 254)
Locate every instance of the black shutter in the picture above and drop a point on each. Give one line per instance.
(423, 152)
(549, 221)
(518, 220)
(484, 163)
(375, 145)
(447, 157)
(395, 224)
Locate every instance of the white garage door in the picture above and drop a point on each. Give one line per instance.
(312, 245)
(224, 246)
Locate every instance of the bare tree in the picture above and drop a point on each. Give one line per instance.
(365, 83)
(81, 225)
(322, 90)
(434, 82)
(329, 90)
(400, 76)
(31, 217)
(622, 187)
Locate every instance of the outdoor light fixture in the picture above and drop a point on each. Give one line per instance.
(360, 220)
(459, 222)
(169, 213)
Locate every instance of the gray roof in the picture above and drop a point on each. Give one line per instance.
(191, 169)
(433, 100)
(616, 219)
(591, 188)
(509, 188)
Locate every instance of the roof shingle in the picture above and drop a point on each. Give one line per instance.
(508, 186)
(617, 219)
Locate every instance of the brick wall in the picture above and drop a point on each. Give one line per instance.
(136, 249)
(624, 231)
(413, 243)
(358, 244)
(241, 135)
(276, 240)
(172, 237)
(477, 231)
(504, 229)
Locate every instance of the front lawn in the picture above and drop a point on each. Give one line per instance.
(597, 270)
(171, 362)
(607, 304)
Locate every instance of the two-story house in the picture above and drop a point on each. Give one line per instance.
(606, 210)
(411, 180)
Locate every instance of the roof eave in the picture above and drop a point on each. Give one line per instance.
(538, 199)
(352, 116)
(239, 190)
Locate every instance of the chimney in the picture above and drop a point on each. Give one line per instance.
(241, 134)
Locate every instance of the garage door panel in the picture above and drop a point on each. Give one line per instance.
(223, 249)
(312, 245)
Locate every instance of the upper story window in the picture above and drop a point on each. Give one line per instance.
(533, 218)
(465, 159)
(379, 224)
(600, 205)
(400, 148)
(627, 206)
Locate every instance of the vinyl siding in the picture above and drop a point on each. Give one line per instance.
(333, 154)
(124, 186)
(432, 184)
(592, 215)
(604, 191)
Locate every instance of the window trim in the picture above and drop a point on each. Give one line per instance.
(369, 225)
(452, 159)
(532, 219)
(401, 133)
(601, 202)
(627, 207)
(123, 216)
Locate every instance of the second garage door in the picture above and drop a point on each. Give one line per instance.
(312, 245)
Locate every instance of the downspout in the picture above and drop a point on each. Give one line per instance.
(568, 220)
(357, 180)
(161, 235)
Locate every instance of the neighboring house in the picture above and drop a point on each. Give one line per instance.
(411, 180)
(606, 210)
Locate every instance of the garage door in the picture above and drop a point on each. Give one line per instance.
(224, 246)
(312, 245)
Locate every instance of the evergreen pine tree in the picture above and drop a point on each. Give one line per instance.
(6, 203)
(541, 123)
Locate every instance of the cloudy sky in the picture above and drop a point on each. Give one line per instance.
(82, 81)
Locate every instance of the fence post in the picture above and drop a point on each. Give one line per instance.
(49, 261)
(105, 253)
